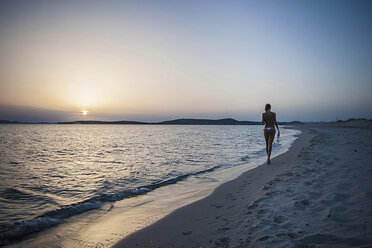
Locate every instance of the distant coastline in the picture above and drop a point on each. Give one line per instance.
(182, 121)
(186, 121)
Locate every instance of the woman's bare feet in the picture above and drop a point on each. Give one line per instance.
(268, 161)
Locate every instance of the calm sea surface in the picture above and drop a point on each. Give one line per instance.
(51, 172)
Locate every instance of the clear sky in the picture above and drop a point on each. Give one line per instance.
(158, 60)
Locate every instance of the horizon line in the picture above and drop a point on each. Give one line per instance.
(178, 121)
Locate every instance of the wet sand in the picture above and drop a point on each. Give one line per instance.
(318, 194)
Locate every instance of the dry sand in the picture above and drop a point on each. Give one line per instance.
(318, 194)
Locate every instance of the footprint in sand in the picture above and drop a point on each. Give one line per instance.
(216, 205)
(295, 235)
(303, 202)
(223, 242)
(187, 233)
(279, 219)
(253, 206)
(263, 238)
(309, 182)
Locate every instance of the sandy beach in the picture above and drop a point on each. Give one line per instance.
(318, 194)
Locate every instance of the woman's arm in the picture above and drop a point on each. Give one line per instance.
(276, 124)
(263, 121)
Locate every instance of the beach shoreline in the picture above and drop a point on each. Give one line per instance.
(296, 201)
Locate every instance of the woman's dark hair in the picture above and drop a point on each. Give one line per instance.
(267, 107)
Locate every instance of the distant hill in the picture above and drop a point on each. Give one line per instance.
(183, 121)
(8, 122)
(226, 121)
(291, 123)
(355, 120)
(104, 122)
(22, 122)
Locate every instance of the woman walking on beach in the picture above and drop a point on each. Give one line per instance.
(269, 120)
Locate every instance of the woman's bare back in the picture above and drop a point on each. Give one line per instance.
(269, 118)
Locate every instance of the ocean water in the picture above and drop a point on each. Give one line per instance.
(51, 172)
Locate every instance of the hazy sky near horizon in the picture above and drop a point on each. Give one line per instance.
(156, 60)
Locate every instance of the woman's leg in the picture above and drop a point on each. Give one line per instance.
(267, 141)
(266, 133)
(270, 145)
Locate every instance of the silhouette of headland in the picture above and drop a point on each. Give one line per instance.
(182, 121)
